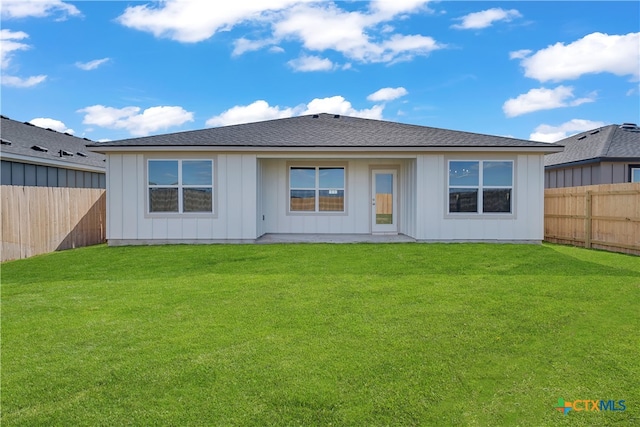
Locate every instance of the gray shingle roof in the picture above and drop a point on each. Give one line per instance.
(608, 142)
(324, 130)
(24, 136)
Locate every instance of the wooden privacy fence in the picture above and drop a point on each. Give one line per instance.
(594, 216)
(37, 220)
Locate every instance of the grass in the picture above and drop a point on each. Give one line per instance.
(354, 334)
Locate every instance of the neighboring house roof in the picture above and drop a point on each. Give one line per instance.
(608, 143)
(324, 131)
(62, 150)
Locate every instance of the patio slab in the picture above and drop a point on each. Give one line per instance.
(335, 238)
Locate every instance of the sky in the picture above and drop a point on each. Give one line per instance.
(109, 70)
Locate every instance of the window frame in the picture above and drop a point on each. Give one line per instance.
(181, 187)
(633, 168)
(317, 166)
(479, 213)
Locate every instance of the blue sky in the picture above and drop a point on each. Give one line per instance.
(113, 69)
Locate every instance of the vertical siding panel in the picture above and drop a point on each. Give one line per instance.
(234, 197)
(596, 174)
(189, 228)
(534, 224)
(145, 224)
(568, 177)
(174, 228)
(219, 227)
(130, 196)
(431, 180)
(606, 173)
(586, 175)
(561, 182)
(114, 196)
(618, 173)
(522, 192)
(268, 197)
(159, 228)
(285, 223)
(259, 211)
(249, 197)
(359, 219)
(205, 228)
(553, 181)
(577, 176)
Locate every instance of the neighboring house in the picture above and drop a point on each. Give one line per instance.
(323, 174)
(33, 156)
(608, 155)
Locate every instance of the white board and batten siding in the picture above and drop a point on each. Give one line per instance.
(355, 219)
(251, 198)
(525, 224)
(235, 209)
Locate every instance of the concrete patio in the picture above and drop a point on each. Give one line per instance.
(334, 238)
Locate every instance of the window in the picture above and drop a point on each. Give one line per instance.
(316, 189)
(484, 186)
(180, 186)
(635, 173)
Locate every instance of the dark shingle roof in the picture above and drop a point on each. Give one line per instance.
(608, 142)
(18, 138)
(325, 130)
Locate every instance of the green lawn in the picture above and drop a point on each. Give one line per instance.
(352, 334)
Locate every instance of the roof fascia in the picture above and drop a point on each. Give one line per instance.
(268, 150)
(594, 160)
(49, 162)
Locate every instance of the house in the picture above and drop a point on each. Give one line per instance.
(323, 174)
(607, 155)
(34, 156)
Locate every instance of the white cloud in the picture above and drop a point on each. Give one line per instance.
(390, 8)
(92, 65)
(261, 110)
(311, 63)
(519, 54)
(592, 54)
(387, 94)
(548, 133)
(543, 99)
(319, 26)
(192, 21)
(51, 124)
(138, 124)
(9, 44)
(339, 105)
(243, 45)
(324, 26)
(36, 8)
(485, 18)
(15, 81)
(254, 112)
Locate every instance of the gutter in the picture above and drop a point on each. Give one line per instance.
(594, 160)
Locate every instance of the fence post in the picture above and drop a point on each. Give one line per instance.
(588, 220)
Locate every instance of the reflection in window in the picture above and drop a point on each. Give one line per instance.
(316, 189)
(480, 186)
(180, 186)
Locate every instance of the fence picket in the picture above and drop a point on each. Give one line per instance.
(37, 220)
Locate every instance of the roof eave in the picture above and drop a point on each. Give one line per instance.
(593, 160)
(229, 148)
(50, 162)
